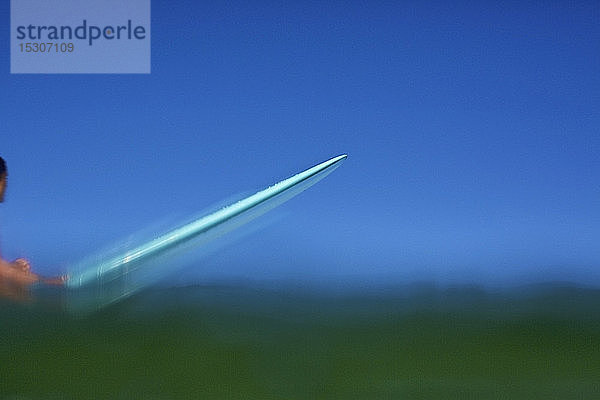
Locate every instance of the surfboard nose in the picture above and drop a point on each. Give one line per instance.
(339, 159)
(332, 164)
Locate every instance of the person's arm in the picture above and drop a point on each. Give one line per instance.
(15, 273)
(4, 263)
(20, 271)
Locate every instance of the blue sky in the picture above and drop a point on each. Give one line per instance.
(472, 130)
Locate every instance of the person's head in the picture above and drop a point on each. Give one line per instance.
(3, 175)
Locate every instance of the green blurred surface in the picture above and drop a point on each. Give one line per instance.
(238, 342)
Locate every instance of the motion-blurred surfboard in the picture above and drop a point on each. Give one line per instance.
(114, 277)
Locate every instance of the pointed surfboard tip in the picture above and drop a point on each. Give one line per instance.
(330, 164)
(339, 158)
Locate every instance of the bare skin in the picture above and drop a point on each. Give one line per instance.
(3, 186)
(18, 272)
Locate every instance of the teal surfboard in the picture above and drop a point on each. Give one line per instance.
(123, 270)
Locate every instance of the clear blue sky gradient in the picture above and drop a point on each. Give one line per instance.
(472, 130)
